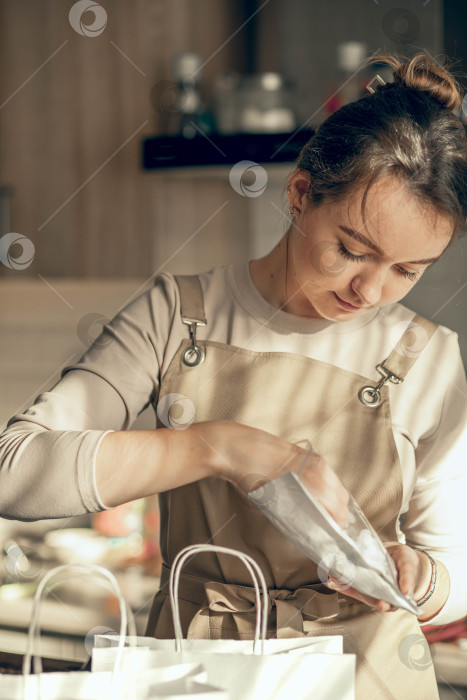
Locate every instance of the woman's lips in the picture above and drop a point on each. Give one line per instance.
(346, 305)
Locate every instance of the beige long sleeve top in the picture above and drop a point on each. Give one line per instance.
(48, 452)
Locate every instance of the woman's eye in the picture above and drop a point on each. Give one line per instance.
(412, 276)
(350, 256)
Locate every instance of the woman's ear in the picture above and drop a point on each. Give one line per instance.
(298, 188)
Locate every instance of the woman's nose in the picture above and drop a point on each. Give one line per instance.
(369, 285)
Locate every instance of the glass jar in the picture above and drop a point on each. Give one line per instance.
(256, 103)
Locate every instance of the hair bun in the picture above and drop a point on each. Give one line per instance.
(424, 73)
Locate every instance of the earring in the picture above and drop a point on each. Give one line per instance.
(295, 211)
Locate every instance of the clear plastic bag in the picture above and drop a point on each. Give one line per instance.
(353, 553)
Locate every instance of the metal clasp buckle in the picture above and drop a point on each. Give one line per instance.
(377, 78)
(371, 395)
(194, 354)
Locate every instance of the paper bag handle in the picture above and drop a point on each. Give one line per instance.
(254, 571)
(34, 632)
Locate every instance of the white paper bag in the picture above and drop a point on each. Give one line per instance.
(103, 653)
(74, 685)
(66, 686)
(273, 669)
(121, 685)
(172, 681)
(186, 688)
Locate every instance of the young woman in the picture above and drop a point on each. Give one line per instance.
(308, 342)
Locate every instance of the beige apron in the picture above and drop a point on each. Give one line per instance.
(293, 397)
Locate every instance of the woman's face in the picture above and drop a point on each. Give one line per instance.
(341, 264)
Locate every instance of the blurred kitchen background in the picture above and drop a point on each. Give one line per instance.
(119, 126)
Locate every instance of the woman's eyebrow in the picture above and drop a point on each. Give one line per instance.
(361, 239)
(427, 261)
(366, 241)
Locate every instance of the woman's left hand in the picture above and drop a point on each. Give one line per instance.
(414, 575)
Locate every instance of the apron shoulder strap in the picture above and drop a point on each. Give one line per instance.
(192, 313)
(395, 367)
(191, 299)
(409, 347)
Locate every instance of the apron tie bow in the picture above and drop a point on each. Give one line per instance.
(292, 608)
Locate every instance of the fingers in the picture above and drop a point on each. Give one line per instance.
(414, 570)
(316, 474)
(409, 567)
(407, 564)
(380, 605)
(250, 457)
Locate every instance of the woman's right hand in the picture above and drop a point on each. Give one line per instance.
(250, 457)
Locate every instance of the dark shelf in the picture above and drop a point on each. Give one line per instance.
(219, 149)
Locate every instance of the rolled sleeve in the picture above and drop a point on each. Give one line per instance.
(48, 452)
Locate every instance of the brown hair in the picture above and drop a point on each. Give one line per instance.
(407, 128)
